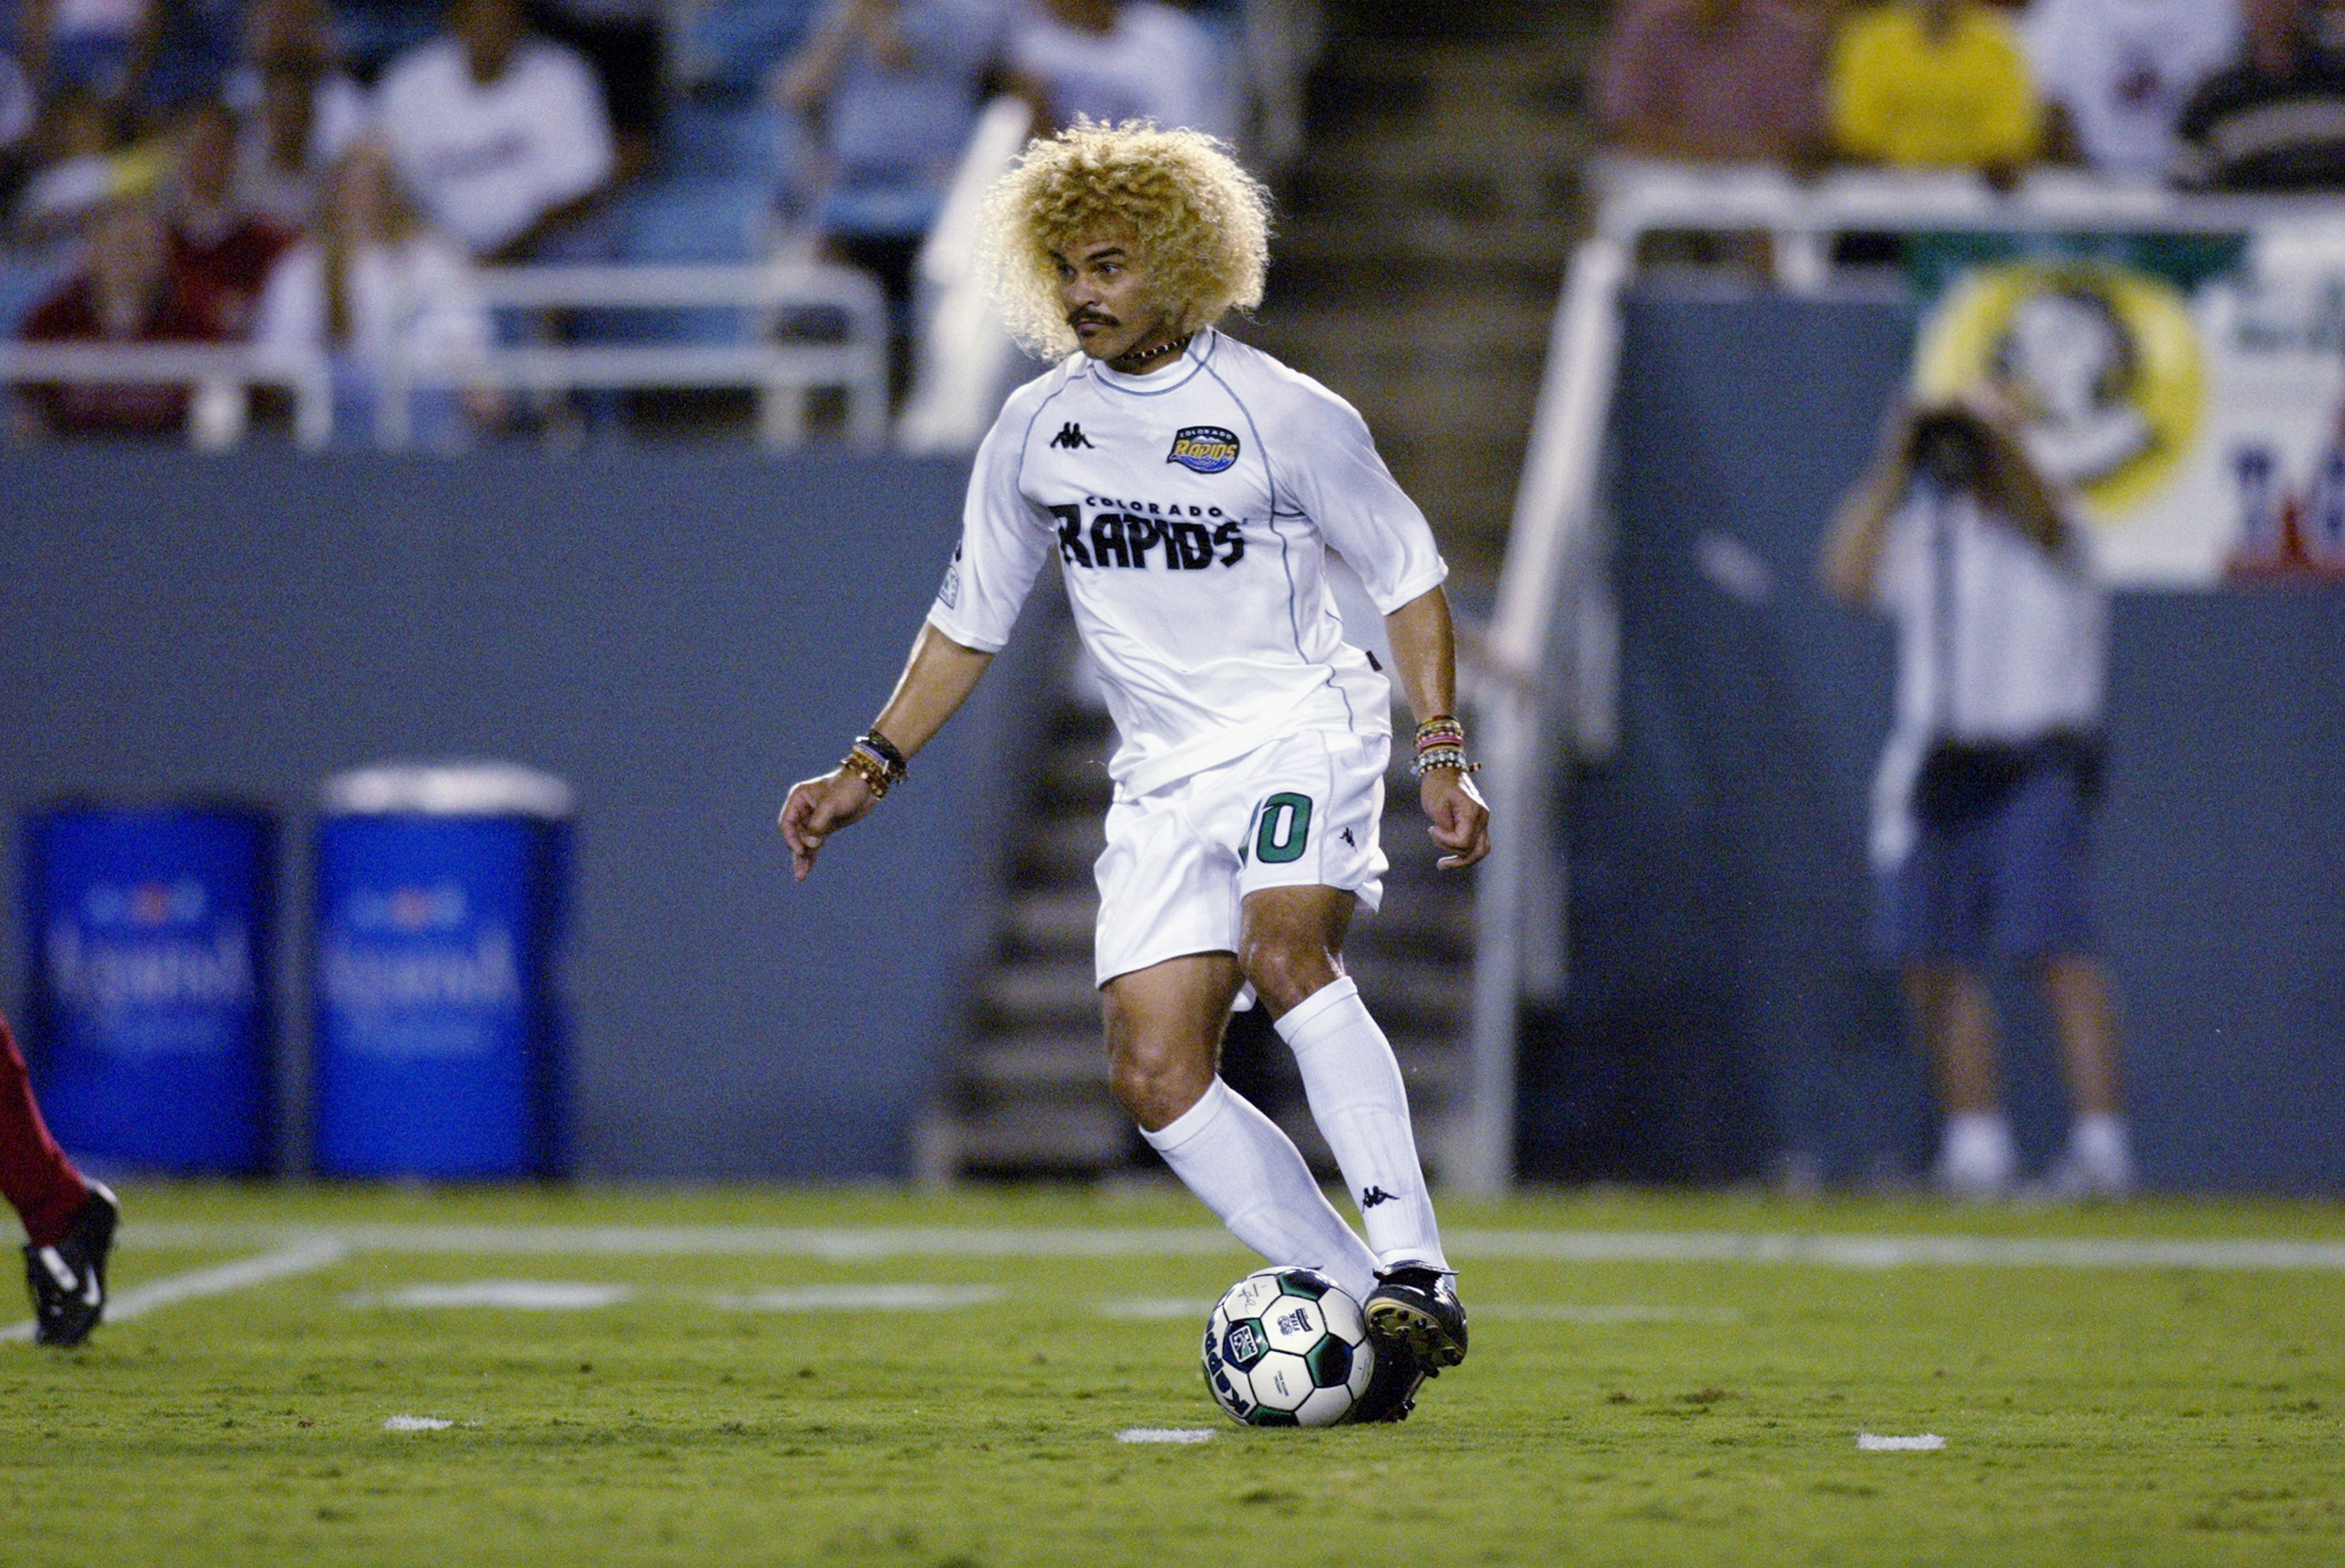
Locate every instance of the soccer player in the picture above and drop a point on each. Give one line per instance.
(68, 1218)
(1191, 488)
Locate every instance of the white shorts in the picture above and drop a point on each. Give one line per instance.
(1299, 812)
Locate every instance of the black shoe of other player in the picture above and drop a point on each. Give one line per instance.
(69, 1279)
(1418, 1308)
(1392, 1388)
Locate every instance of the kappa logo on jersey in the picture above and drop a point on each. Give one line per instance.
(1071, 435)
(1125, 537)
(1206, 449)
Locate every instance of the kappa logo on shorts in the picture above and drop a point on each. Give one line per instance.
(1206, 449)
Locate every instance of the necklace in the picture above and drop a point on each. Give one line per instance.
(1140, 359)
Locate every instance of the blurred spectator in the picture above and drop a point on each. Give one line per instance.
(2119, 71)
(19, 108)
(188, 50)
(623, 41)
(213, 236)
(501, 136)
(2276, 119)
(1985, 796)
(376, 278)
(736, 46)
(131, 291)
(1116, 60)
(299, 112)
(1715, 80)
(73, 46)
(895, 86)
(75, 167)
(147, 58)
(19, 112)
(1934, 83)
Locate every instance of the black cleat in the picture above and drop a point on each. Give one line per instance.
(1392, 1388)
(1415, 1308)
(69, 1279)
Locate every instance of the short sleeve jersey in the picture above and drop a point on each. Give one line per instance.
(1902, 98)
(1191, 512)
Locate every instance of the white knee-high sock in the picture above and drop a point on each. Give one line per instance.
(1362, 1108)
(1248, 1172)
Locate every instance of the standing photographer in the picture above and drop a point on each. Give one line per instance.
(1984, 792)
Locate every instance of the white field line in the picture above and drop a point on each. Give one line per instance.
(1563, 1313)
(864, 1298)
(513, 1295)
(301, 1255)
(858, 1244)
(1155, 1308)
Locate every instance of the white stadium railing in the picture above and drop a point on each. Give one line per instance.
(1542, 685)
(782, 373)
(220, 378)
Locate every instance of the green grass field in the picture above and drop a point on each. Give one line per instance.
(753, 1377)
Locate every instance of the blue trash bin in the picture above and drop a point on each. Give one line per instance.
(150, 1024)
(441, 1044)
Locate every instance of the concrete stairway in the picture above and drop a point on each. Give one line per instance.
(1422, 237)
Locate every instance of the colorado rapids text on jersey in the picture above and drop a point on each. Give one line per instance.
(1193, 512)
(1125, 537)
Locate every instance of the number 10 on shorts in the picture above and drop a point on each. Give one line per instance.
(1283, 829)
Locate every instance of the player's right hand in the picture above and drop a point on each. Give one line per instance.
(819, 807)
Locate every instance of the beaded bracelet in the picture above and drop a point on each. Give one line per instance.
(1434, 757)
(879, 764)
(1441, 744)
(1441, 730)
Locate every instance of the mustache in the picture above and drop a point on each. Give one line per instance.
(1090, 314)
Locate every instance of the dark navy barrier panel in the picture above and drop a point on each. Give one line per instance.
(150, 1025)
(1722, 1011)
(438, 1045)
(677, 633)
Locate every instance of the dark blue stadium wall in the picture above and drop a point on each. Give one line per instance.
(1721, 1012)
(680, 634)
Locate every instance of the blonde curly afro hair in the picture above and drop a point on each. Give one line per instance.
(1201, 222)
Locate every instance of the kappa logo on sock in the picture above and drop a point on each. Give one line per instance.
(1375, 1195)
(1347, 838)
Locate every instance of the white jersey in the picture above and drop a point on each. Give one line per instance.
(2124, 69)
(1191, 512)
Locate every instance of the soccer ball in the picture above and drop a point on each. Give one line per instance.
(1287, 1347)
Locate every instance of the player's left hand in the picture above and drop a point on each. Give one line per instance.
(819, 807)
(1460, 818)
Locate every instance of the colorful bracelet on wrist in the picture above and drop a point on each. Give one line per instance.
(1441, 744)
(877, 762)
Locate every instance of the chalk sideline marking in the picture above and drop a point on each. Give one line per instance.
(417, 1423)
(1166, 1435)
(865, 1299)
(1871, 1442)
(1174, 1307)
(303, 1255)
(855, 1244)
(1625, 1313)
(513, 1295)
(1153, 1308)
